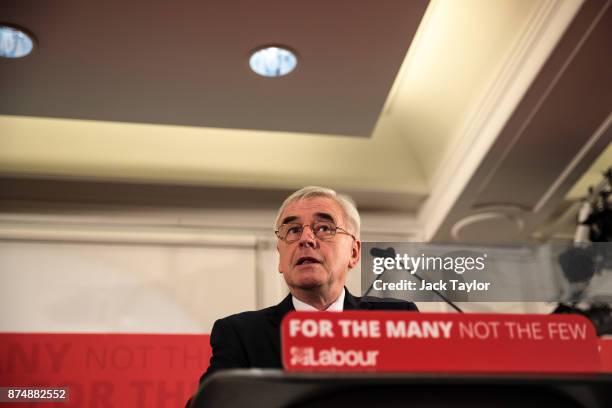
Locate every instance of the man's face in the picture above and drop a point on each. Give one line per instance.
(310, 263)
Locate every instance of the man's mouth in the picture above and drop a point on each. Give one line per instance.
(305, 260)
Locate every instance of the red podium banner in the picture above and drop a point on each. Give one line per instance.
(437, 342)
(605, 352)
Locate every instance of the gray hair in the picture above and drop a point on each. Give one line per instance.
(346, 203)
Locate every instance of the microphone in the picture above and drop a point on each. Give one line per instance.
(382, 253)
(390, 253)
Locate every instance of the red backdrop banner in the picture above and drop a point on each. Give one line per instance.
(106, 370)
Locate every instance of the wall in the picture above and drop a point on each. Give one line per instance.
(70, 268)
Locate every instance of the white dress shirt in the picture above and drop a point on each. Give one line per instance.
(337, 306)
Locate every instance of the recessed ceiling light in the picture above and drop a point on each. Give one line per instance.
(273, 61)
(14, 43)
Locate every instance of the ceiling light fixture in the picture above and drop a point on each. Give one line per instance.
(14, 43)
(273, 61)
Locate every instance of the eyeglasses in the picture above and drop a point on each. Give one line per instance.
(323, 230)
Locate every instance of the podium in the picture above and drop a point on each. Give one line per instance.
(276, 388)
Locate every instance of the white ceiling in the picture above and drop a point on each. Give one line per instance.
(436, 115)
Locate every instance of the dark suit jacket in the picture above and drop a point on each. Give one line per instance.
(252, 339)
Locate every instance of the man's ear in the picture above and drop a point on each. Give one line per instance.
(278, 250)
(355, 253)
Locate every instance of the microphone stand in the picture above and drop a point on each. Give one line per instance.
(390, 253)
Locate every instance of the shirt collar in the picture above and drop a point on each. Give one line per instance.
(336, 306)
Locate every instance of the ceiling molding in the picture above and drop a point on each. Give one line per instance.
(536, 108)
(171, 225)
(567, 178)
(554, 134)
(483, 125)
(88, 233)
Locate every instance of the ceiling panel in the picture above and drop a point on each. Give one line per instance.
(186, 62)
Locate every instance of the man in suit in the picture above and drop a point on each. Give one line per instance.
(318, 243)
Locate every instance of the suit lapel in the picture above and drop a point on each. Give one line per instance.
(276, 317)
(354, 303)
(350, 302)
(279, 311)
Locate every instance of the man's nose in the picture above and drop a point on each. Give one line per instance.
(308, 237)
